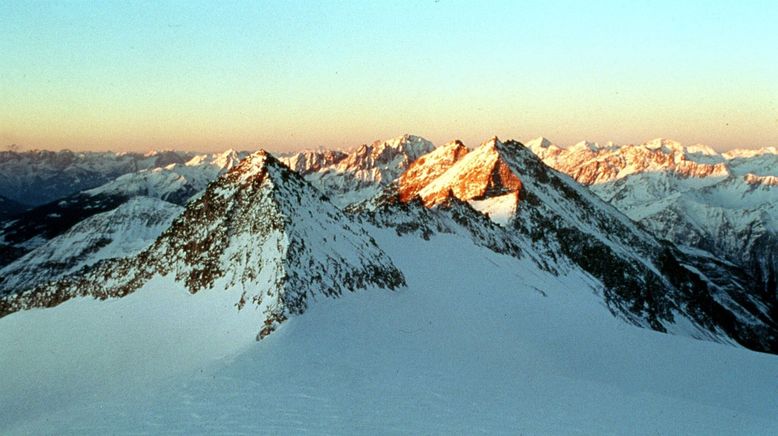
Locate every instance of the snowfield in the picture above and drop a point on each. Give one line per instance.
(476, 343)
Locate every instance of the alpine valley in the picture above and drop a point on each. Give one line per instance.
(396, 287)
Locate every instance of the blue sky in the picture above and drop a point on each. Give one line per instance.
(285, 75)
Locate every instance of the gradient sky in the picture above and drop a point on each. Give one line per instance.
(298, 74)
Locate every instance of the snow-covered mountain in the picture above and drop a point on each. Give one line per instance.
(39, 176)
(121, 232)
(429, 167)
(648, 282)
(478, 336)
(726, 204)
(361, 173)
(260, 232)
(176, 183)
(311, 161)
(506, 276)
(551, 219)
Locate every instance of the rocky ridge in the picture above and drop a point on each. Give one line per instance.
(690, 195)
(261, 230)
(646, 281)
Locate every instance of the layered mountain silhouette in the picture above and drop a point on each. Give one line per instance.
(261, 229)
(279, 239)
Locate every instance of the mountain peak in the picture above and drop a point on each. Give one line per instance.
(493, 141)
(261, 233)
(256, 165)
(479, 174)
(411, 145)
(585, 145)
(254, 162)
(428, 167)
(543, 147)
(658, 142)
(539, 142)
(309, 161)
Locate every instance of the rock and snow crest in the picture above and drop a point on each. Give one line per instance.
(364, 171)
(646, 281)
(260, 231)
(690, 195)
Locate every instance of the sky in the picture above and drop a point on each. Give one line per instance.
(285, 75)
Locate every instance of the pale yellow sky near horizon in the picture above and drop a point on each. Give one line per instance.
(344, 146)
(200, 76)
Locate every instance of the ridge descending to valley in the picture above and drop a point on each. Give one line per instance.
(448, 288)
(501, 195)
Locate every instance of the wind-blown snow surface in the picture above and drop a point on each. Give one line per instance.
(471, 345)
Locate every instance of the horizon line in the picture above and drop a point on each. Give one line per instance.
(21, 148)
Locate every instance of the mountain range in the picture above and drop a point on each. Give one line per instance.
(724, 204)
(548, 242)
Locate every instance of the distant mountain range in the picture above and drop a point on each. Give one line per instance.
(397, 287)
(667, 232)
(725, 204)
(36, 177)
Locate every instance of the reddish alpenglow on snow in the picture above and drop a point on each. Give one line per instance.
(287, 260)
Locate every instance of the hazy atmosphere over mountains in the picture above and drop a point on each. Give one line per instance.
(348, 222)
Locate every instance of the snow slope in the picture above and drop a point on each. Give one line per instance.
(723, 203)
(121, 232)
(647, 281)
(470, 346)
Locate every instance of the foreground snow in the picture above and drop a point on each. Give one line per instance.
(477, 342)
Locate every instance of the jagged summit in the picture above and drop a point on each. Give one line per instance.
(311, 161)
(365, 170)
(645, 280)
(260, 232)
(593, 164)
(383, 161)
(540, 142)
(480, 174)
(254, 164)
(429, 167)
